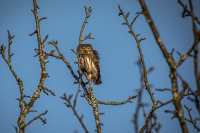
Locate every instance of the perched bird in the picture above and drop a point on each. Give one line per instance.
(88, 63)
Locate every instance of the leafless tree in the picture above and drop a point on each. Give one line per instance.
(181, 111)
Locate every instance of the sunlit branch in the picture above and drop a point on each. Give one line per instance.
(26, 107)
(88, 12)
(22, 103)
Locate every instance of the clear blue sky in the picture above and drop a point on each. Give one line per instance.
(117, 51)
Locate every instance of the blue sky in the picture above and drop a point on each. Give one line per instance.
(117, 51)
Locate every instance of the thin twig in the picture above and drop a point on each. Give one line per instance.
(43, 73)
(60, 56)
(42, 58)
(72, 106)
(26, 107)
(88, 11)
(196, 34)
(38, 117)
(141, 56)
(22, 102)
(191, 119)
(120, 102)
(187, 12)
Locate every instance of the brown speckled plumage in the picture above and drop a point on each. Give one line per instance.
(88, 62)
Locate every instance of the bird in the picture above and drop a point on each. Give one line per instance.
(89, 63)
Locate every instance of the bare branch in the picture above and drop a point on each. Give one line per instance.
(88, 12)
(38, 117)
(76, 98)
(171, 64)
(141, 56)
(72, 106)
(186, 12)
(48, 91)
(10, 42)
(191, 119)
(163, 89)
(92, 101)
(61, 57)
(22, 102)
(121, 102)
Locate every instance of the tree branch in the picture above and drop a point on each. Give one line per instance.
(171, 64)
(38, 117)
(120, 102)
(72, 105)
(22, 102)
(141, 56)
(88, 12)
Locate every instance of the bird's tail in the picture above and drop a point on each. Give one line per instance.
(98, 81)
